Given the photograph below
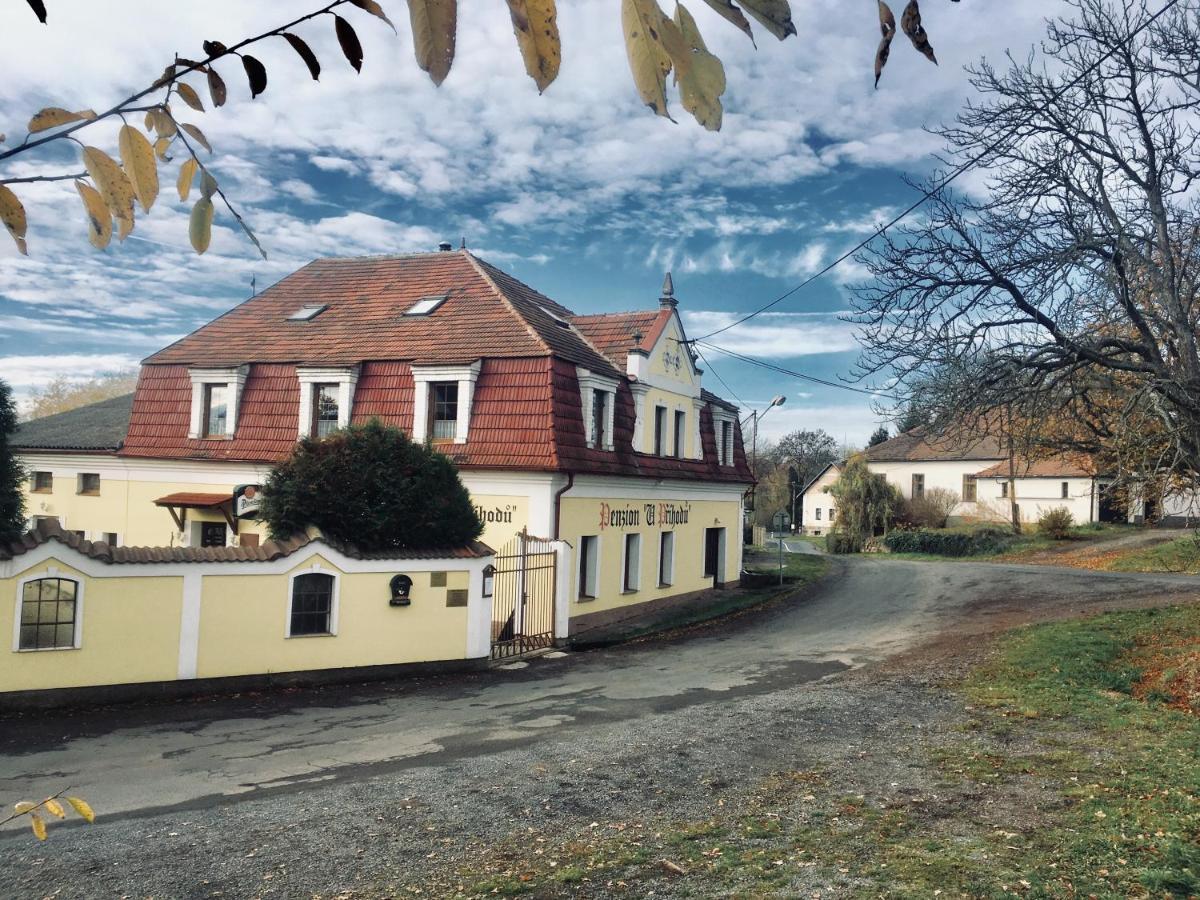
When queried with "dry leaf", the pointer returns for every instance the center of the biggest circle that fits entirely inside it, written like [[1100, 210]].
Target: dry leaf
[[773, 15], [701, 81], [910, 24], [53, 116], [348, 39], [305, 53], [98, 216], [113, 185], [536, 27], [12, 214], [80, 806], [187, 174], [641, 20], [731, 13], [887, 28], [200, 224], [434, 23], [189, 96], [137, 156]]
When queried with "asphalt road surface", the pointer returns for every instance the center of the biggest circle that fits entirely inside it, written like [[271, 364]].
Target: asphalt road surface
[[193, 794]]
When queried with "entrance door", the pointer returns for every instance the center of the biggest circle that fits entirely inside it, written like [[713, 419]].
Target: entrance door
[[714, 552], [212, 534]]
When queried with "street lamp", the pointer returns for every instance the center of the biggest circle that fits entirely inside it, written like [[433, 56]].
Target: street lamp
[[777, 400]]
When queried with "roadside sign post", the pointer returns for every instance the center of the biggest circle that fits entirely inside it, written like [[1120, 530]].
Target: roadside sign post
[[781, 524]]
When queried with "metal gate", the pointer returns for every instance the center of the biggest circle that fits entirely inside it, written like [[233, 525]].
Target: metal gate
[[523, 596]]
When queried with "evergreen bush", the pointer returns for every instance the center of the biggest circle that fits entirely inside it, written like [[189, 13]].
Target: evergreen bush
[[12, 475], [371, 486]]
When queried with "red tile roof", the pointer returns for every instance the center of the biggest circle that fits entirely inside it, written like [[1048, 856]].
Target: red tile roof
[[918, 445], [1062, 466], [526, 412], [486, 313], [615, 334]]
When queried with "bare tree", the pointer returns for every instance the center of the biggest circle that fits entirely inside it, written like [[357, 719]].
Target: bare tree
[[1061, 303]]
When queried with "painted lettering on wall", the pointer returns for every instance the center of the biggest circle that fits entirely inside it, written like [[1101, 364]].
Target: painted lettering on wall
[[653, 515], [491, 515]]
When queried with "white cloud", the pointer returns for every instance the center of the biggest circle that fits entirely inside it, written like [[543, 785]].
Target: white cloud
[[774, 335], [26, 372]]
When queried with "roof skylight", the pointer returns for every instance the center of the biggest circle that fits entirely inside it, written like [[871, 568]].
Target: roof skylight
[[426, 305], [307, 313], [558, 320]]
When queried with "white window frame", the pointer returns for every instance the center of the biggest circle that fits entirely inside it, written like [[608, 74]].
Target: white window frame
[[666, 537], [334, 603], [626, 586], [345, 378], [234, 379], [725, 454], [423, 377], [589, 383], [52, 572]]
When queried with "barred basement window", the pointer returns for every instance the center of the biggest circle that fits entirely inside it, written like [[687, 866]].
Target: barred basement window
[[48, 613], [312, 604]]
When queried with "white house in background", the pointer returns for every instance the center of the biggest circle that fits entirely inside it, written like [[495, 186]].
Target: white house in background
[[974, 469], [817, 508], [1056, 483]]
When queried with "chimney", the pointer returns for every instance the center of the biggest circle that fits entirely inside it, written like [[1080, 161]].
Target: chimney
[[445, 246], [667, 300]]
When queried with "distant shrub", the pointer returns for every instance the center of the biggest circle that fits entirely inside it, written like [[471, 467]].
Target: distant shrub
[[947, 543], [931, 509], [1056, 523], [837, 542]]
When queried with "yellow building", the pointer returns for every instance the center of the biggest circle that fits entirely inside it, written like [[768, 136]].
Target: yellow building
[[593, 433]]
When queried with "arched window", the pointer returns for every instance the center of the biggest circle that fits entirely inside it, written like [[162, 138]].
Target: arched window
[[489, 580], [49, 613], [312, 604]]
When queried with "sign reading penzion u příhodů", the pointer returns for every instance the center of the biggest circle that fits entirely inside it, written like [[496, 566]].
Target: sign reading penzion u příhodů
[[650, 515]]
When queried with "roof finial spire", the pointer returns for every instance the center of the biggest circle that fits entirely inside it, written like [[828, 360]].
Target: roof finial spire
[[463, 245], [668, 293]]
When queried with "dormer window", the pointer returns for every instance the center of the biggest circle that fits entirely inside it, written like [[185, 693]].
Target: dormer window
[[600, 403], [442, 397], [443, 410], [307, 313], [325, 409], [216, 410], [598, 396], [426, 305], [216, 394], [326, 400]]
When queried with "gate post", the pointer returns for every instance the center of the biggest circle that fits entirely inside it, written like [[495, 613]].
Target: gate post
[[562, 590], [522, 586]]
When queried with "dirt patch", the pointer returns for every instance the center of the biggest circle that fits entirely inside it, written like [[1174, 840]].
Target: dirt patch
[[1170, 674], [1090, 554]]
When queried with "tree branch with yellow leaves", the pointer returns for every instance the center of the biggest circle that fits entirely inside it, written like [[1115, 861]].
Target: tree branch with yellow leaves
[[657, 46]]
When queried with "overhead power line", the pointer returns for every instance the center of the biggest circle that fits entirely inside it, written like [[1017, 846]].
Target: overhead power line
[[913, 207], [711, 368], [783, 370]]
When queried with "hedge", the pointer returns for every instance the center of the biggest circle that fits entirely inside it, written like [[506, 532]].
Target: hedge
[[947, 543]]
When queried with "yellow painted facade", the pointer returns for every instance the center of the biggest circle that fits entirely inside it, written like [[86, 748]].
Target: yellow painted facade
[[609, 520], [129, 632], [243, 630]]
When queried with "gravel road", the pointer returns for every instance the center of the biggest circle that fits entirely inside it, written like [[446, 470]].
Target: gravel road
[[407, 790]]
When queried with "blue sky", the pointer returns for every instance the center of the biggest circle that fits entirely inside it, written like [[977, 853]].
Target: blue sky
[[580, 192]]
